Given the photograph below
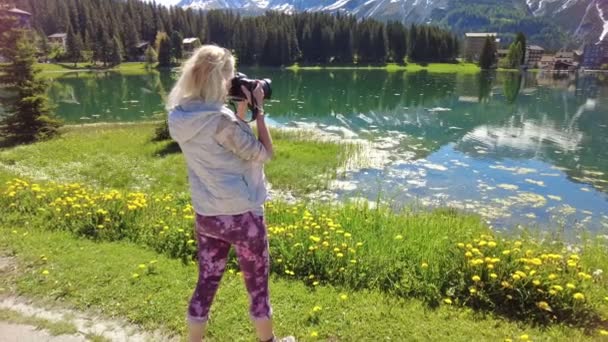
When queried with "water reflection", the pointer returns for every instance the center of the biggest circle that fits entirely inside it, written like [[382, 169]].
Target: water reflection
[[506, 145]]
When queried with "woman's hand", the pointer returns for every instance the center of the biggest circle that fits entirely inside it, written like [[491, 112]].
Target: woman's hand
[[258, 95]]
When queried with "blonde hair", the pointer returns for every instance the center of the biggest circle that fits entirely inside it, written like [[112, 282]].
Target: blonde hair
[[203, 77]]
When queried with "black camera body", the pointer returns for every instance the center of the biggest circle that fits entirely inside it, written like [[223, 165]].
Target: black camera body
[[241, 79]]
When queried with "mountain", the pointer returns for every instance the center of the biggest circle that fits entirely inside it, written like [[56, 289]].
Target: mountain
[[552, 23]]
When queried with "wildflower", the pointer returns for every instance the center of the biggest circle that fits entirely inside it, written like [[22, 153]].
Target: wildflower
[[343, 297], [424, 265], [45, 272], [524, 337], [557, 288], [340, 255], [476, 278], [142, 266], [460, 245], [359, 244], [316, 308], [570, 286], [135, 275], [578, 296], [516, 277], [314, 334], [493, 275], [603, 332], [473, 290], [506, 252], [399, 237], [314, 238], [544, 306], [517, 244], [552, 292], [468, 254], [508, 340], [552, 276], [315, 283], [536, 282], [448, 301], [347, 235]]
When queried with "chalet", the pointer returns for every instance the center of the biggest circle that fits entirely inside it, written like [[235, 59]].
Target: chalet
[[546, 62], [473, 44], [190, 44], [141, 48], [23, 18], [58, 38]]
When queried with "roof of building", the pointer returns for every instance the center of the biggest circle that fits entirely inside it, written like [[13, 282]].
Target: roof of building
[[189, 40], [58, 35], [141, 44], [15, 10], [547, 58], [480, 35], [535, 47]]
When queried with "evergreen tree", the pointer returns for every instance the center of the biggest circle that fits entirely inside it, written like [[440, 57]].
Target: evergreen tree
[[29, 115], [131, 40], [116, 52], [521, 39], [74, 47], [514, 56], [177, 51], [487, 59], [163, 46], [151, 57]]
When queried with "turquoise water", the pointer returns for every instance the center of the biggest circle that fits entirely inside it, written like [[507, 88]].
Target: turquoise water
[[518, 149]]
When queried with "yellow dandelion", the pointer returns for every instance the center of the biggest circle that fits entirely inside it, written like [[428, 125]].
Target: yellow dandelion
[[424, 265], [536, 282], [508, 340], [315, 283], [339, 255], [45, 272], [314, 334], [468, 254], [460, 245], [399, 237], [552, 276], [544, 306], [316, 308], [578, 296], [343, 297], [493, 275], [142, 266], [557, 288], [571, 286], [135, 275], [476, 278], [524, 337], [603, 332], [448, 301], [492, 244], [473, 290]]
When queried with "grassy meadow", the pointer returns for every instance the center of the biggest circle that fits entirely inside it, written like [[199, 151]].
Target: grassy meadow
[[465, 68], [100, 219]]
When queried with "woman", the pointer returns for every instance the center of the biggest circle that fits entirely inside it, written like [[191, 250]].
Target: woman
[[226, 172]]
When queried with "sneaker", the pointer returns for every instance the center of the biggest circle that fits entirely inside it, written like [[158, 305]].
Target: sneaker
[[285, 339]]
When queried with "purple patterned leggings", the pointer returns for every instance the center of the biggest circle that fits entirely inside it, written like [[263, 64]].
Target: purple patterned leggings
[[215, 235]]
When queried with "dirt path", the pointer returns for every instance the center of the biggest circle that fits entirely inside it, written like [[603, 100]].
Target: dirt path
[[28, 321]]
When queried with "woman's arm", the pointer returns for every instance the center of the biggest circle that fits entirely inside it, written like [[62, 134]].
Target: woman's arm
[[263, 131]]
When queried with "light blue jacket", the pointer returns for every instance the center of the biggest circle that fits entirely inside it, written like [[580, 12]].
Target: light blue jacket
[[225, 160]]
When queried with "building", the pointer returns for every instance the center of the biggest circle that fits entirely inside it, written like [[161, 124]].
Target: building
[[595, 55], [534, 53], [141, 48], [502, 53], [23, 18], [190, 44], [59, 38], [473, 44], [546, 62], [564, 57]]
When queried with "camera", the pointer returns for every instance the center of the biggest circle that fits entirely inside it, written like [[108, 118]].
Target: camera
[[241, 79]]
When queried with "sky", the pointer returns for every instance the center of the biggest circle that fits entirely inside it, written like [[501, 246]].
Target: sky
[[167, 2]]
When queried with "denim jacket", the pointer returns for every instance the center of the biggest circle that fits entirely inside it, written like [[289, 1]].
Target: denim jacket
[[225, 160]]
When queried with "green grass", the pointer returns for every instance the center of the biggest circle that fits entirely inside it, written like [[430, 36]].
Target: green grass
[[466, 68], [98, 275], [54, 328], [123, 157], [134, 68]]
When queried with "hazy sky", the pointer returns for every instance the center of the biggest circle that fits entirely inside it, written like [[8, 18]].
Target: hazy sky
[[167, 2]]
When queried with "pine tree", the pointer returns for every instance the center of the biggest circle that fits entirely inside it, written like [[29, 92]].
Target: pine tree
[[74, 46], [521, 39], [163, 46], [177, 50], [29, 115], [487, 59], [151, 56], [116, 52]]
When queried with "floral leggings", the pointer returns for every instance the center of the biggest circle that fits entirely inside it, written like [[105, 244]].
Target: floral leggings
[[215, 235]]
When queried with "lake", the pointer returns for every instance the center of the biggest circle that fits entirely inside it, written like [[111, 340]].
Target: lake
[[517, 149]]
